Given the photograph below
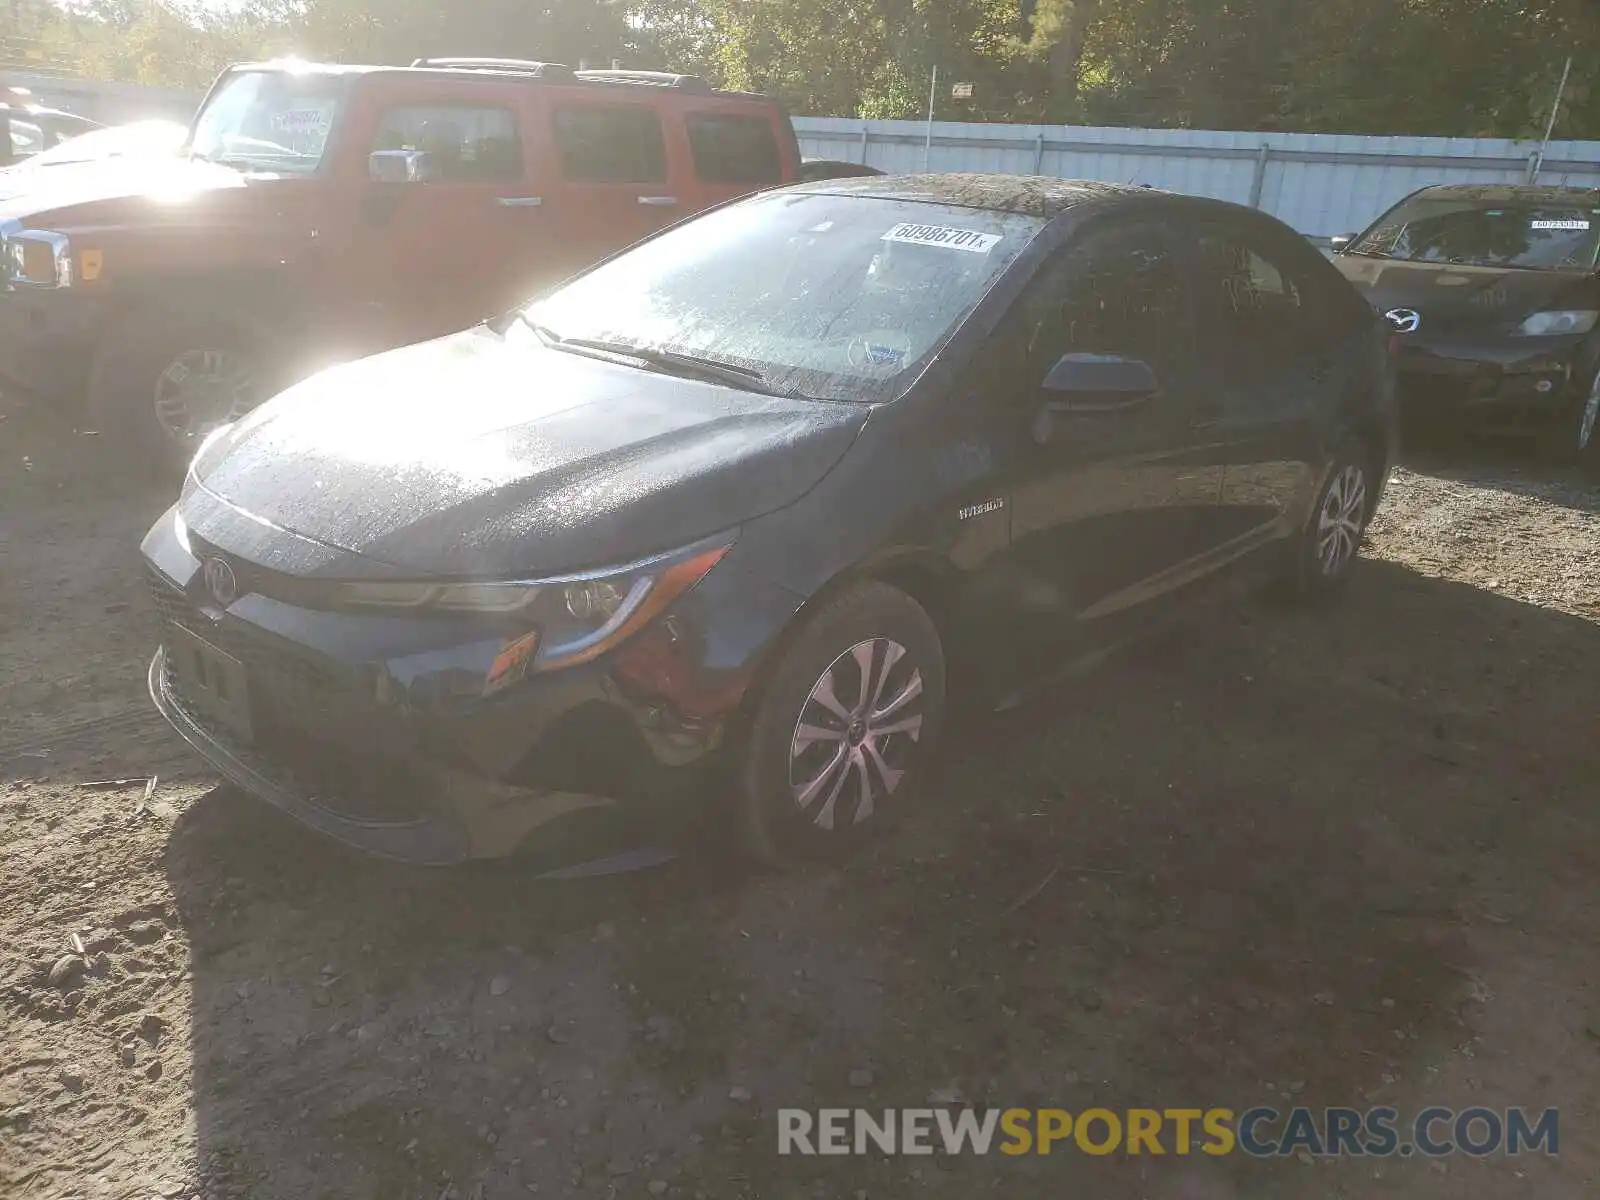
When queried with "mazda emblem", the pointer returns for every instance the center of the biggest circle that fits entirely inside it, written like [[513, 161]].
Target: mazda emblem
[[1404, 320], [221, 582]]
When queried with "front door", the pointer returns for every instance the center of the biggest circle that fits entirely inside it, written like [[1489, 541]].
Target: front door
[[444, 252], [1112, 509]]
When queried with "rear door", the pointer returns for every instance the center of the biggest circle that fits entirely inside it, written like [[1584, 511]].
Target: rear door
[[1274, 344], [732, 150], [614, 183], [439, 255]]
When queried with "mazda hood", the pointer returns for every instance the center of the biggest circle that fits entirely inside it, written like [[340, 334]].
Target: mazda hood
[[1464, 298], [480, 456]]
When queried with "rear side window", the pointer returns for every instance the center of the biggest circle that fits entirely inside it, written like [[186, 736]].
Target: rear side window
[[734, 149], [610, 143], [467, 144]]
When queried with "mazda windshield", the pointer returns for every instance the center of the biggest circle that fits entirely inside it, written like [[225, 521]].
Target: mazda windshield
[[1465, 232], [831, 296]]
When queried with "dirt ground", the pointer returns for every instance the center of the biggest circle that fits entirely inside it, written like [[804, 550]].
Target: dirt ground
[[1338, 858]]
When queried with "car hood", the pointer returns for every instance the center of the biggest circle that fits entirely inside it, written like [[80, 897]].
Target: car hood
[[28, 191], [1464, 299], [477, 455]]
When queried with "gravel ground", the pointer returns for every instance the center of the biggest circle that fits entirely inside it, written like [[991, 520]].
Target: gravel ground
[[1345, 857]]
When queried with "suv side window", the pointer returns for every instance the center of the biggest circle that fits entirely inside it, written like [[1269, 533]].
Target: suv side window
[[728, 148], [610, 143], [1116, 290], [467, 144]]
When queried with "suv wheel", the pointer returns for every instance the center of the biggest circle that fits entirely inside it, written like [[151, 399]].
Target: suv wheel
[[161, 383], [1331, 541], [844, 729]]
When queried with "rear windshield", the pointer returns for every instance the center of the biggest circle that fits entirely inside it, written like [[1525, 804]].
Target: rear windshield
[[1476, 233], [277, 121]]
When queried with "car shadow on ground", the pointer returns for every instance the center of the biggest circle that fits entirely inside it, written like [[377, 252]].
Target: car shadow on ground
[[1510, 466], [1250, 862]]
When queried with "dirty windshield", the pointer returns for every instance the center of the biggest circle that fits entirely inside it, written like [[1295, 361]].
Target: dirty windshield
[[276, 121], [1477, 233], [837, 297]]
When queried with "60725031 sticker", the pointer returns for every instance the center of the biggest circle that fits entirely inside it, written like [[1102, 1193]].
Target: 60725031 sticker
[[946, 236], [1576, 226]]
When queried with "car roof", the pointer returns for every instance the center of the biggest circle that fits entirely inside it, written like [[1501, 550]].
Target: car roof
[[1505, 193], [503, 73], [1028, 195]]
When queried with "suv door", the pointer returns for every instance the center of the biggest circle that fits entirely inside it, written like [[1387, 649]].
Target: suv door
[[733, 151], [1273, 339], [1112, 509], [616, 183], [445, 252]]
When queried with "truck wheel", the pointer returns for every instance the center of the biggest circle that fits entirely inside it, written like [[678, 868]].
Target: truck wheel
[[161, 382]]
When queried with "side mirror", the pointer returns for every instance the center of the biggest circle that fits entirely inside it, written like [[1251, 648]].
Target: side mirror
[[400, 166], [1098, 383], [1341, 243]]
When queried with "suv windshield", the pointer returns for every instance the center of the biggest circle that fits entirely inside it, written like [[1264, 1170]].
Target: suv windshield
[[270, 121], [1476, 233], [836, 297]]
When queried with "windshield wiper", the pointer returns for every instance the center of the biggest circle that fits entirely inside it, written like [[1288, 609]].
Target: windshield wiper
[[668, 362]]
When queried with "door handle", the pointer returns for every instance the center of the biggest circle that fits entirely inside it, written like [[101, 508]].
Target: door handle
[[658, 201], [520, 201]]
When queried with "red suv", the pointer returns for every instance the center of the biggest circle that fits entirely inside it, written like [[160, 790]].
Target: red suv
[[324, 212]]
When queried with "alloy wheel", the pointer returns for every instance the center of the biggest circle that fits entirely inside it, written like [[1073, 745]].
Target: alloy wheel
[[1591, 415], [202, 389], [856, 733], [1339, 525]]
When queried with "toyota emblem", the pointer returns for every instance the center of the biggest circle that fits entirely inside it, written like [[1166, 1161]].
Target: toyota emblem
[[1404, 320], [221, 582]]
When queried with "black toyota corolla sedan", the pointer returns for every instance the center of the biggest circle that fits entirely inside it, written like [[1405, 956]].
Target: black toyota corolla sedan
[[1494, 294], [723, 526]]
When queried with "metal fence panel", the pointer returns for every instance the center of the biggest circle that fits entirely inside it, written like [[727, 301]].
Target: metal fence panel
[[1321, 184]]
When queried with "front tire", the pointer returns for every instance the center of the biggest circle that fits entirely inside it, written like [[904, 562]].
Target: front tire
[[162, 381], [1584, 441], [844, 729]]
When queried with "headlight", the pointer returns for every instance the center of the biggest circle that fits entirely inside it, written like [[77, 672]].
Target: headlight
[[38, 258], [1550, 324], [564, 621]]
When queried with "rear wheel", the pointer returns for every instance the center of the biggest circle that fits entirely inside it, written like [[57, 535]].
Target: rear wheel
[[1331, 541], [161, 382], [844, 730]]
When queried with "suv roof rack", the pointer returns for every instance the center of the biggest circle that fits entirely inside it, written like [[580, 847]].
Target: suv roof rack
[[669, 79], [519, 66]]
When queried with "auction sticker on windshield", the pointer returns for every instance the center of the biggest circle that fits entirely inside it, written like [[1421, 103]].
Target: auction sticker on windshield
[[1572, 225], [943, 235]]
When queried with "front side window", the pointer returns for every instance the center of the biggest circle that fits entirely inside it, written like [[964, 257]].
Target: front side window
[[610, 143], [838, 297], [734, 149], [1115, 291], [1470, 232], [465, 144], [278, 121]]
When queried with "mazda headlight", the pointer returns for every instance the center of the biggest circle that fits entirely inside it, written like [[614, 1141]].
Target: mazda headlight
[[563, 621], [1552, 324], [38, 258]]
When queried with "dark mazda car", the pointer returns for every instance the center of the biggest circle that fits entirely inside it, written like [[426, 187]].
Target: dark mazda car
[[687, 538], [1494, 294]]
